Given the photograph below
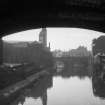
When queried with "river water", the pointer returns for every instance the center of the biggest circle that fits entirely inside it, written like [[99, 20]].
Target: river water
[[67, 86]]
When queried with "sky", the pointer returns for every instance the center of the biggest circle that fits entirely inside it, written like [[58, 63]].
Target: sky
[[59, 38]]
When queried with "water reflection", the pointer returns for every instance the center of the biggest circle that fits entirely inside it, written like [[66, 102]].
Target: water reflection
[[72, 91], [68, 70], [98, 81], [37, 92], [72, 85]]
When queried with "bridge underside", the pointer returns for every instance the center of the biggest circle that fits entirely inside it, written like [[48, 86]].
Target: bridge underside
[[20, 15]]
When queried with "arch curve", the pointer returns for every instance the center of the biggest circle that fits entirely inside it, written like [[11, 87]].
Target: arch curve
[[24, 15]]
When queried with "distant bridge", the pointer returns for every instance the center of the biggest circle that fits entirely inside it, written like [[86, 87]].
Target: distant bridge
[[72, 60]]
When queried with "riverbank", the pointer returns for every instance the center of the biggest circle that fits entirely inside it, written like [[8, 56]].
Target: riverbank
[[6, 92], [11, 75]]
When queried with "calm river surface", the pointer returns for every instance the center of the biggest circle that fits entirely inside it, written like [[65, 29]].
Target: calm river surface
[[66, 87]]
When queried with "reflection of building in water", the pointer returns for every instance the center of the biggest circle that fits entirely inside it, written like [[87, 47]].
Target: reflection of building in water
[[37, 90], [44, 98], [98, 83], [40, 90], [98, 88], [59, 66], [69, 70]]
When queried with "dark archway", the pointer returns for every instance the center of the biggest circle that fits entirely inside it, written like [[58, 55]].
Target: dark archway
[[22, 15]]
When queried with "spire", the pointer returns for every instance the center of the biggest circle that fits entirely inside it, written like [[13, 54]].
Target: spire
[[43, 37]]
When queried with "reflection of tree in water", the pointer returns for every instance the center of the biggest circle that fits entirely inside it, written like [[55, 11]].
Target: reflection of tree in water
[[98, 82], [75, 69], [36, 90]]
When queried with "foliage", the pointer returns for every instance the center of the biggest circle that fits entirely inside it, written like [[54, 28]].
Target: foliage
[[98, 45]]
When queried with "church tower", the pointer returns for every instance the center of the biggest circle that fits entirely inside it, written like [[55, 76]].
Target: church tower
[[43, 37]]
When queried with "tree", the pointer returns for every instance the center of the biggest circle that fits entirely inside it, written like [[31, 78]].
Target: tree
[[98, 45]]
